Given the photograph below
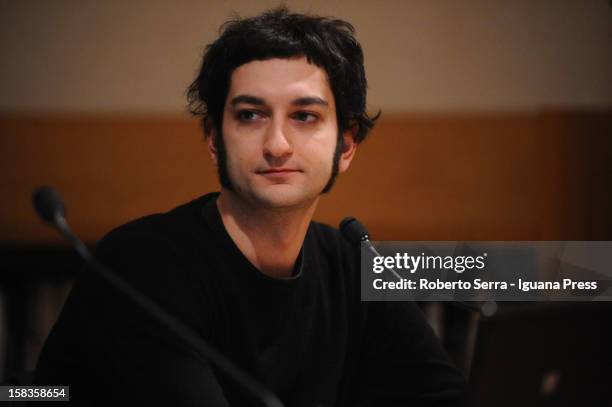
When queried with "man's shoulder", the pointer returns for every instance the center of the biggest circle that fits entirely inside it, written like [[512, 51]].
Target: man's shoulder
[[323, 231], [161, 234], [165, 225], [331, 241], [154, 252]]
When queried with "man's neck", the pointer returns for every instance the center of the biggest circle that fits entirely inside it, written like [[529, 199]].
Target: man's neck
[[270, 238]]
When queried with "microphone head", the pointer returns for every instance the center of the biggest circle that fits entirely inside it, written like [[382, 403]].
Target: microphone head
[[48, 204], [353, 230]]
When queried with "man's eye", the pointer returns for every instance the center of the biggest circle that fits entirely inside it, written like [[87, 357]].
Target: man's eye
[[248, 116], [305, 117]]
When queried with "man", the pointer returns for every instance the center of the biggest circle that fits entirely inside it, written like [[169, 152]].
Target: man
[[282, 100]]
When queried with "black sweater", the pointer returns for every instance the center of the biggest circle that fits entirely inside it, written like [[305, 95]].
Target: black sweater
[[308, 338]]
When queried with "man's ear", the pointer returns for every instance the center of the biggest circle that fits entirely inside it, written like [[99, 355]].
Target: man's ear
[[349, 147], [212, 146]]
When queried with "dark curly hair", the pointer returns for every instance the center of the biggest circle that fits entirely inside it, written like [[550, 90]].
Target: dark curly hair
[[325, 42]]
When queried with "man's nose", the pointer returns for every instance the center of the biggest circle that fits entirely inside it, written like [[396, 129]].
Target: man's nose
[[278, 143]]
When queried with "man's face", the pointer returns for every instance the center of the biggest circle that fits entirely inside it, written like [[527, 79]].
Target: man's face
[[280, 133]]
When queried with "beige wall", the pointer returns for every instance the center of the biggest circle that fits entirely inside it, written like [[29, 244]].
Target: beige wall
[[138, 56]]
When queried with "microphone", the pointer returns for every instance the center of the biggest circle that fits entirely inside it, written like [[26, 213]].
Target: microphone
[[48, 204], [50, 208], [356, 233], [353, 230]]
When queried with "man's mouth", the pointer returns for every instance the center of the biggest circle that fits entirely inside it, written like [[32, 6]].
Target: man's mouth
[[278, 171]]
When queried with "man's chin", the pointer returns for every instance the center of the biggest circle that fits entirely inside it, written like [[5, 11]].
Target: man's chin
[[283, 196]]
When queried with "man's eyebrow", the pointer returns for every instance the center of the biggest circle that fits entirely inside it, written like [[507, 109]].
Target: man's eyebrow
[[310, 100], [254, 100], [248, 99]]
